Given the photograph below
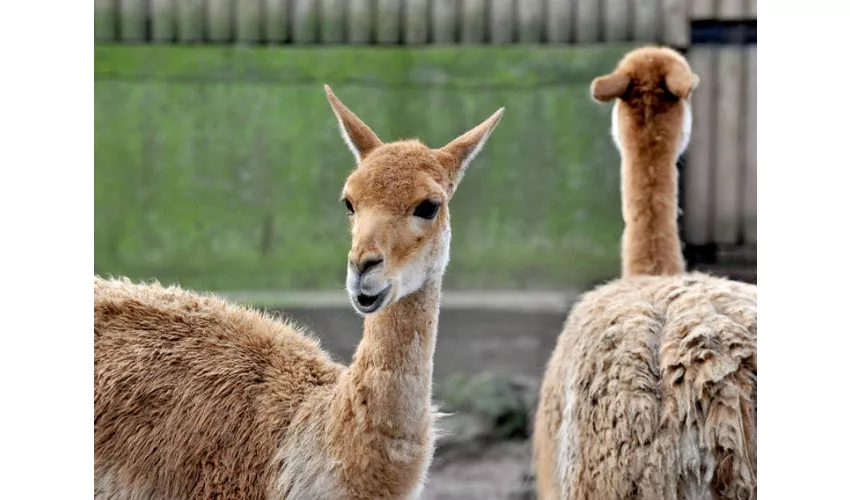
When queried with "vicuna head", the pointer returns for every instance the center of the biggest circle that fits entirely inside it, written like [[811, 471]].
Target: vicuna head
[[397, 199], [652, 86]]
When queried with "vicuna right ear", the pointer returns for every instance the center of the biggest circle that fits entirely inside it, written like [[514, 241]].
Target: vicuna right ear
[[681, 82], [357, 135], [608, 87]]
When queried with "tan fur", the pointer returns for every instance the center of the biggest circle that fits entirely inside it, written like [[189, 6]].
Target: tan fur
[[651, 86], [199, 398], [651, 390]]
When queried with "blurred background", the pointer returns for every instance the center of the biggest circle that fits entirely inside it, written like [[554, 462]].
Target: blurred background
[[218, 166]]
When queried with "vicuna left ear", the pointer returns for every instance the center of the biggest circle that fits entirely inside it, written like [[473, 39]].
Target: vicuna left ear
[[609, 87], [463, 149], [681, 82]]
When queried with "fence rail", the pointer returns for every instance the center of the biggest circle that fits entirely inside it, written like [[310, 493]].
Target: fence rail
[[408, 22]]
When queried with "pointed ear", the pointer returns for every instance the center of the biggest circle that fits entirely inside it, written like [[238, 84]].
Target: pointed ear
[[609, 87], [463, 149], [681, 82], [358, 136]]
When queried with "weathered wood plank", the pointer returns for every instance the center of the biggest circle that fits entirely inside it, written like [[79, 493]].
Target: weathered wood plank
[[305, 21], [558, 21], [332, 20], [275, 20], [732, 9], [750, 162], [443, 21], [416, 22], [587, 24], [616, 20], [502, 21], [248, 20], [473, 21], [389, 25], [132, 18], [219, 22], [359, 21], [677, 26], [104, 20], [163, 12], [647, 21], [703, 9], [190, 20], [698, 174], [530, 14], [727, 171]]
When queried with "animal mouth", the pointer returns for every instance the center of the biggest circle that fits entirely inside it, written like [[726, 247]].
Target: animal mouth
[[370, 303]]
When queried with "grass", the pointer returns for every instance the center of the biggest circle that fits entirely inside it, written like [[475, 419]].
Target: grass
[[220, 168]]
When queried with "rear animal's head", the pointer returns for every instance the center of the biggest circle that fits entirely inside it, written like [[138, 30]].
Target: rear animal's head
[[397, 199], [649, 84]]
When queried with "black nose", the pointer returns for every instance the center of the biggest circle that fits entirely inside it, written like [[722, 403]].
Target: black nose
[[367, 264]]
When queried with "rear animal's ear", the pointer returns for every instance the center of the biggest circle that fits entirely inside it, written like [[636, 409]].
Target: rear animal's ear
[[358, 136], [462, 150], [681, 82], [609, 87]]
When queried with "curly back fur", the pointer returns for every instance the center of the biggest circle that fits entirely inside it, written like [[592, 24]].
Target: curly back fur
[[198, 398], [651, 390]]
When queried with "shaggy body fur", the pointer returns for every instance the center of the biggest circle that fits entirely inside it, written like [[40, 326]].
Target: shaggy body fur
[[651, 390], [196, 398]]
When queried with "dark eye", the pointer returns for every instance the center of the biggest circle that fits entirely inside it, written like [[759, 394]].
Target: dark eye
[[426, 210], [348, 206]]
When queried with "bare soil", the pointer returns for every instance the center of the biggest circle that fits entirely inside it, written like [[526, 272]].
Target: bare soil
[[497, 472]]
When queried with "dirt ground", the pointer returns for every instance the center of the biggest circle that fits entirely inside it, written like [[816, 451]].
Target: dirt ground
[[499, 472]]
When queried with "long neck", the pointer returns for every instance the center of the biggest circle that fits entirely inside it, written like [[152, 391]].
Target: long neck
[[651, 244], [390, 376]]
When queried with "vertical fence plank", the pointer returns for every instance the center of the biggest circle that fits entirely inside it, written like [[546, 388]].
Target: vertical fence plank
[[190, 20], [389, 27], [275, 19], [104, 20], [587, 21], [558, 21], [727, 169], [698, 174], [677, 26], [750, 191], [443, 21], [616, 20], [219, 20], [530, 21], [732, 9], [163, 20], [132, 18], [332, 21], [359, 21], [501, 21], [305, 21], [248, 19], [646, 20], [416, 22], [473, 21], [702, 9]]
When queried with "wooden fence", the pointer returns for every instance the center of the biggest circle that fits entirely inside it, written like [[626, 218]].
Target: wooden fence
[[410, 22], [719, 179]]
